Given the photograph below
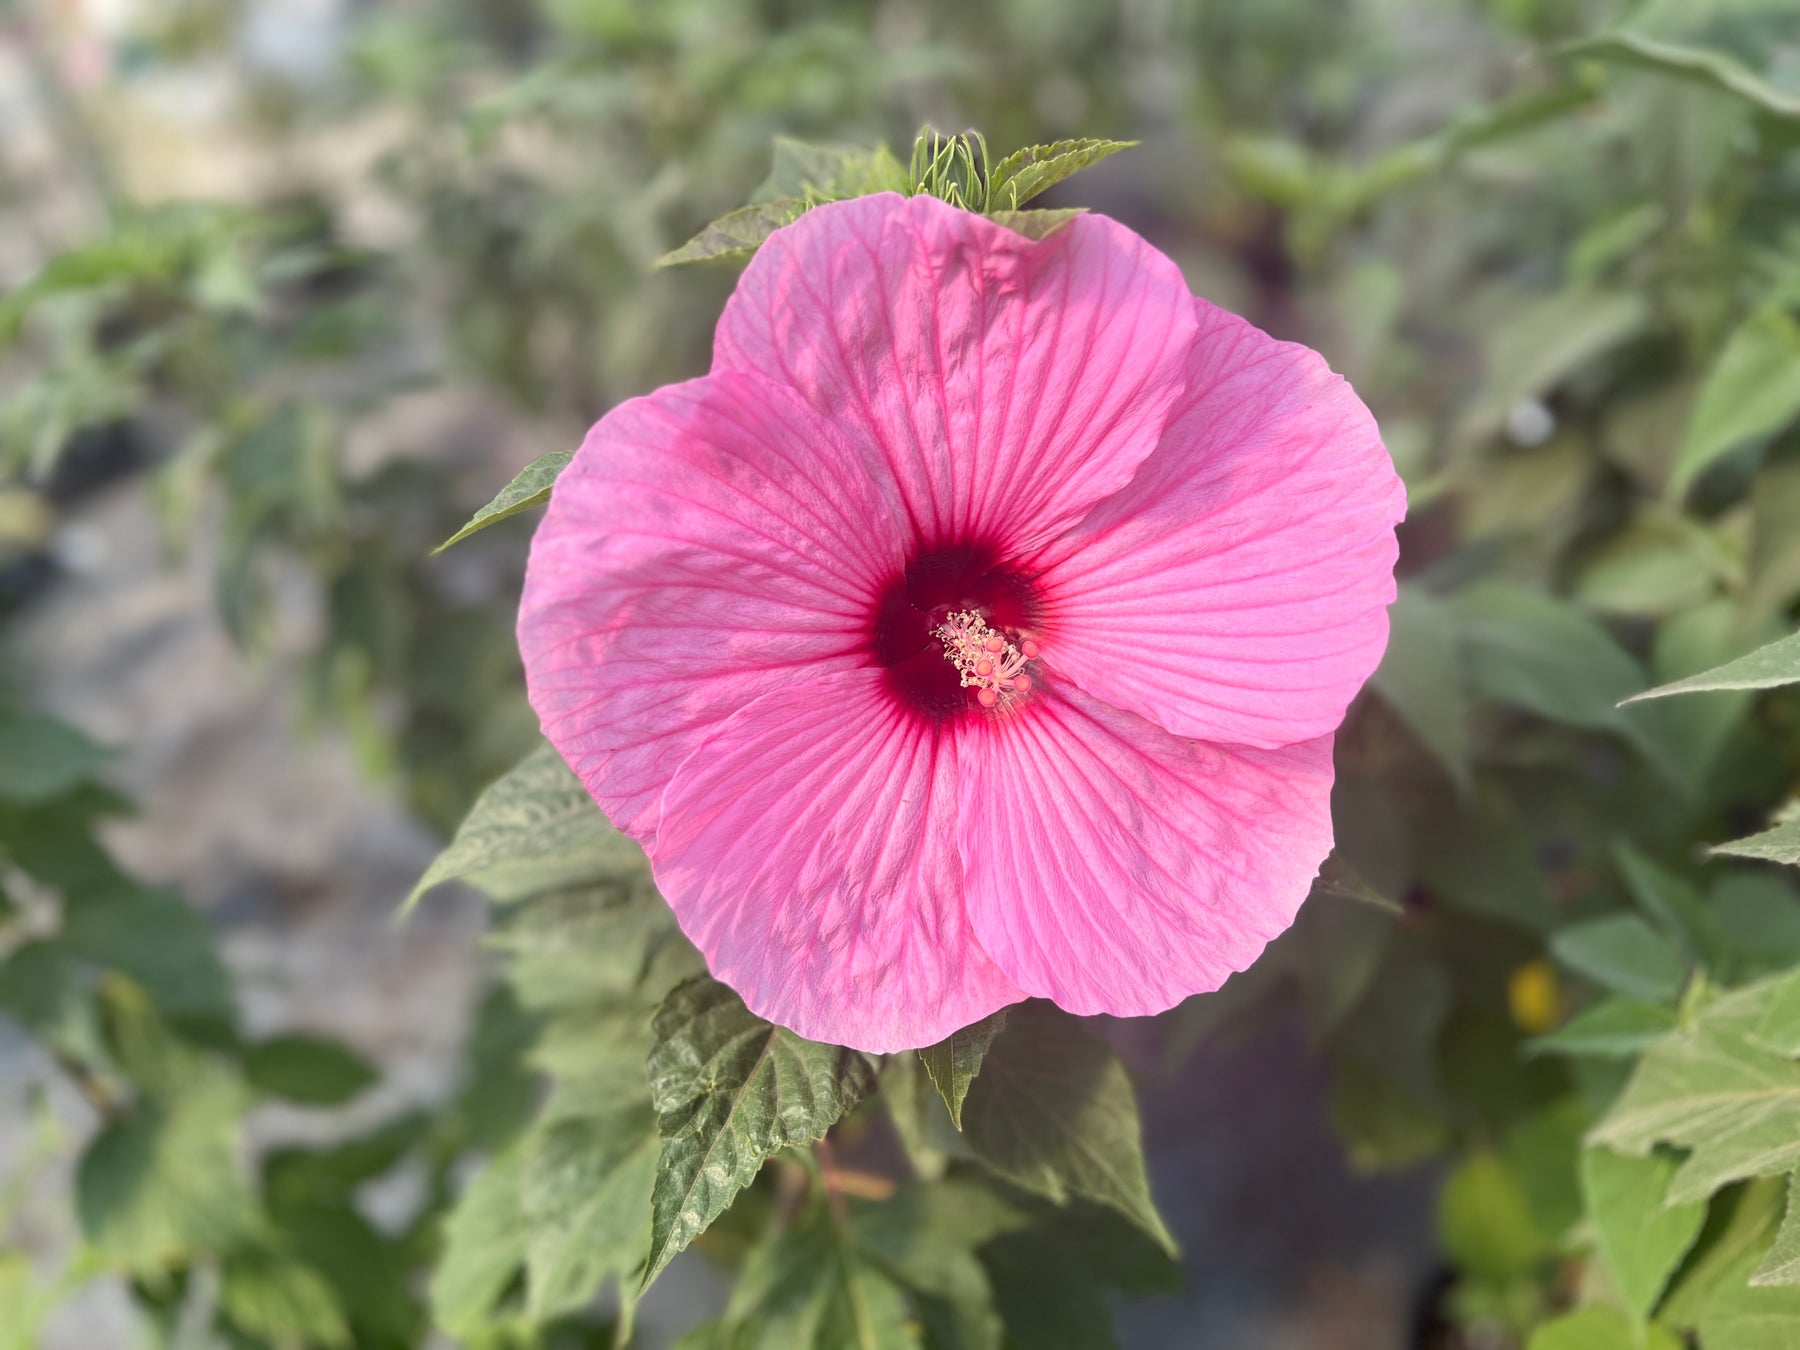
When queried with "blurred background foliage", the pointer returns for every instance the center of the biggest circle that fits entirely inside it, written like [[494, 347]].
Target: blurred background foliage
[[317, 278]]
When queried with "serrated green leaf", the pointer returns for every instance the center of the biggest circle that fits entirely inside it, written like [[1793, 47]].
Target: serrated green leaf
[[1780, 844], [594, 944], [954, 1061], [1053, 1111], [1714, 1088], [730, 1090], [1025, 173], [1695, 65], [1782, 1264], [42, 758], [281, 1301], [1600, 1328], [587, 1204], [530, 487], [1615, 1029], [307, 1069], [1419, 678], [1036, 224], [486, 1239], [1752, 391], [1641, 1239], [737, 234], [1624, 954], [165, 1183], [533, 831]]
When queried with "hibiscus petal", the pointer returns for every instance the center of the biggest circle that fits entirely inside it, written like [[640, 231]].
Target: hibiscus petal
[[808, 850], [1236, 591], [1115, 868], [1009, 384], [708, 543]]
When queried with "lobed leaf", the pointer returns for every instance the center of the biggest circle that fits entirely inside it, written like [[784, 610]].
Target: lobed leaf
[[530, 487], [1053, 1111], [730, 1090]]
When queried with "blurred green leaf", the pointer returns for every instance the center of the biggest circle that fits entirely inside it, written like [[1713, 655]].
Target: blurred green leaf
[[309, 1070], [1713, 69], [1485, 1223], [530, 487], [806, 171], [1600, 1328], [43, 988], [954, 1061], [1752, 390], [535, 830], [1614, 1029], [164, 1183], [159, 940], [587, 1204], [281, 1301], [1419, 678], [1672, 901], [730, 1090], [1054, 1111], [1624, 954], [1025, 173], [485, 1242], [1641, 1238], [42, 758]]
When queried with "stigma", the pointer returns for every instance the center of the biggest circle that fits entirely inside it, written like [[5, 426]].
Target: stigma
[[986, 661]]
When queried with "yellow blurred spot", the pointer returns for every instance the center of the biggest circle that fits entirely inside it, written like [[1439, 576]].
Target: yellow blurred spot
[[1533, 998]]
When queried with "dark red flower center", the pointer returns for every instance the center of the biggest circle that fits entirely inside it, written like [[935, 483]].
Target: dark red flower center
[[937, 583]]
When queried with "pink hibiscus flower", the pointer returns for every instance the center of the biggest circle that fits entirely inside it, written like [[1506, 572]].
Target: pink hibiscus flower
[[975, 630]]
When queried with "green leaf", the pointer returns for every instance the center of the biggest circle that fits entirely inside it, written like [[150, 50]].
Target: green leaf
[[1780, 844], [735, 235], [1672, 901], [1419, 679], [1037, 225], [159, 940], [1714, 1088], [1537, 653], [530, 487], [1715, 70], [587, 1205], [281, 1302], [1025, 173], [42, 758], [1641, 1239], [594, 944], [1624, 954], [807, 171], [307, 1069], [1752, 391], [1053, 1111], [730, 1090], [954, 1061], [164, 1183], [926, 1237], [485, 1242], [1485, 1222], [1615, 1029], [43, 989], [1776, 664], [533, 831], [1600, 1328], [1782, 1264]]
